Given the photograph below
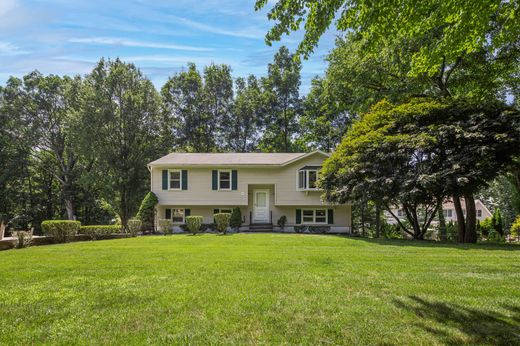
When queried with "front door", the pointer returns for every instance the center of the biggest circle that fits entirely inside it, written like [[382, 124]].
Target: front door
[[260, 206]]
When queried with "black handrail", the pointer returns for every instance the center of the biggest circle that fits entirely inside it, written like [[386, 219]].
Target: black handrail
[[250, 217], [270, 216]]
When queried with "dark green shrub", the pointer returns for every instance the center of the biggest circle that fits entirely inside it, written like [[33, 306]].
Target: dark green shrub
[[222, 221], [99, 231], [194, 223], [497, 222], [282, 221], [236, 219], [147, 210], [61, 230], [208, 227], [390, 231]]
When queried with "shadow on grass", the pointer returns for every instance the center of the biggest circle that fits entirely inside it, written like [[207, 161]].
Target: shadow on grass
[[477, 326], [431, 243]]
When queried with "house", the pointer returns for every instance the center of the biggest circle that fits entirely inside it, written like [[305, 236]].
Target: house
[[448, 210], [266, 186]]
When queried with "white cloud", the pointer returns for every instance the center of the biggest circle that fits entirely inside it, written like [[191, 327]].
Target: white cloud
[[6, 6], [253, 33], [9, 49], [131, 43]]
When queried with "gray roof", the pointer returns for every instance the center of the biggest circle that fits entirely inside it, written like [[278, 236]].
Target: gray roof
[[229, 159]]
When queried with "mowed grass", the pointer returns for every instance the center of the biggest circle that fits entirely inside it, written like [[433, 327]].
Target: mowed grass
[[260, 289]]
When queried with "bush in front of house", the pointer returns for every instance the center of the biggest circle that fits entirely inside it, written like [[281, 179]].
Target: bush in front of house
[[235, 220], [95, 232], [22, 239], [194, 223], [311, 229], [222, 221], [134, 226], [147, 210], [165, 226], [282, 221], [61, 230]]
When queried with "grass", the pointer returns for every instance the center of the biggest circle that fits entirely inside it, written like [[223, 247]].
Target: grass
[[260, 289]]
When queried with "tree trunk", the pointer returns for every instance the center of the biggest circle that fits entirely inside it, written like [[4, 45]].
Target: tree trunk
[[460, 219], [470, 235], [2, 229], [442, 225], [378, 219]]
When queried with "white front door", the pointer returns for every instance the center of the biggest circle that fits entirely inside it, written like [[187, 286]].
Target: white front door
[[261, 206]]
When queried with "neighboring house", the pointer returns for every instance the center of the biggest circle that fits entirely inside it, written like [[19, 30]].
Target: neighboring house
[[449, 212], [266, 186]]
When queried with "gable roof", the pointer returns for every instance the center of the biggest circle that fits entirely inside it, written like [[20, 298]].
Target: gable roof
[[232, 159]]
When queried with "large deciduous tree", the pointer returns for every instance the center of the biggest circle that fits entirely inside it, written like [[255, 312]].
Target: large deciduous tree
[[122, 110]]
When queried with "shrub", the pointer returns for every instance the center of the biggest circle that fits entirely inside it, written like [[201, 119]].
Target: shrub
[[61, 230], [147, 210], [390, 231], [22, 239], [194, 223], [496, 221], [300, 229], [236, 219], [99, 231], [222, 221], [282, 221], [165, 226], [134, 226], [515, 229]]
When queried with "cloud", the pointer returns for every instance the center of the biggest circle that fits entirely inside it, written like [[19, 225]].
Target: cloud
[[9, 49], [251, 32], [131, 43], [6, 6]]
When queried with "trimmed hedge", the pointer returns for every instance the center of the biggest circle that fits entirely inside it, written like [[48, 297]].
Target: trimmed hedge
[[194, 223], [222, 221], [61, 230], [165, 226], [134, 226], [99, 231]]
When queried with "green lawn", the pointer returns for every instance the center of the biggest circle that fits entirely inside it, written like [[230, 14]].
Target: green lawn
[[260, 289]]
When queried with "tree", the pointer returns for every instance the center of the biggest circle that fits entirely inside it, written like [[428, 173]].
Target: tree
[[146, 213], [236, 219], [323, 122], [281, 88], [496, 222], [121, 108], [417, 153], [455, 28], [247, 116], [46, 106]]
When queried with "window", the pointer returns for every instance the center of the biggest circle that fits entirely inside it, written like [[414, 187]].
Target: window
[[479, 212], [314, 216], [307, 177], [221, 211], [400, 213], [448, 212], [178, 215], [224, 180], [175, 179]]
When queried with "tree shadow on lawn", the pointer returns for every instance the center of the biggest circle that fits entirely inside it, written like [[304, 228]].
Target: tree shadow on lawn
[[478, 326], [432, 244]]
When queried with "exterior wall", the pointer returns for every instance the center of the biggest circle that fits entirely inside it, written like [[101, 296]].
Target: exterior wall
[[199, 190]]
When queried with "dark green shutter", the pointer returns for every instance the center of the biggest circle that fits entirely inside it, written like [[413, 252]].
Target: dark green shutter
[[167, 214], [187, 212], [184, 179], [330, 216], [234, 179], [214, 179], [298, 216], [165, 179]]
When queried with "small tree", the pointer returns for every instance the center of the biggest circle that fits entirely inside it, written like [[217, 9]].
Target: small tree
[[222, 221], [236, 219], [147, 210], [193, 223], [496, 221]]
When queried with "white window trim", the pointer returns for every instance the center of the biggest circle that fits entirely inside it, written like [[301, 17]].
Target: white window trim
[[230, 179], [170, 179], [306, 188], [326, 222], [220, 210], [183, 216]]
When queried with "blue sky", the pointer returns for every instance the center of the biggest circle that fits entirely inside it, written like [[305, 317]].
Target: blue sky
[[159, 36]]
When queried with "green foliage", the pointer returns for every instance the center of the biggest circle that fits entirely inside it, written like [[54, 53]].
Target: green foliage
[[222, 221], [22, 239], [99, 231], [515, 229], [165, 226], [194, 223], [390, 231], [61, 231], [486, 226], [146, 213], [134, 226], [496, 221], [281, 222], [236, 219]]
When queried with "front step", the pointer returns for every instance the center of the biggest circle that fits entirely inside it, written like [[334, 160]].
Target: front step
[[261, 227]]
